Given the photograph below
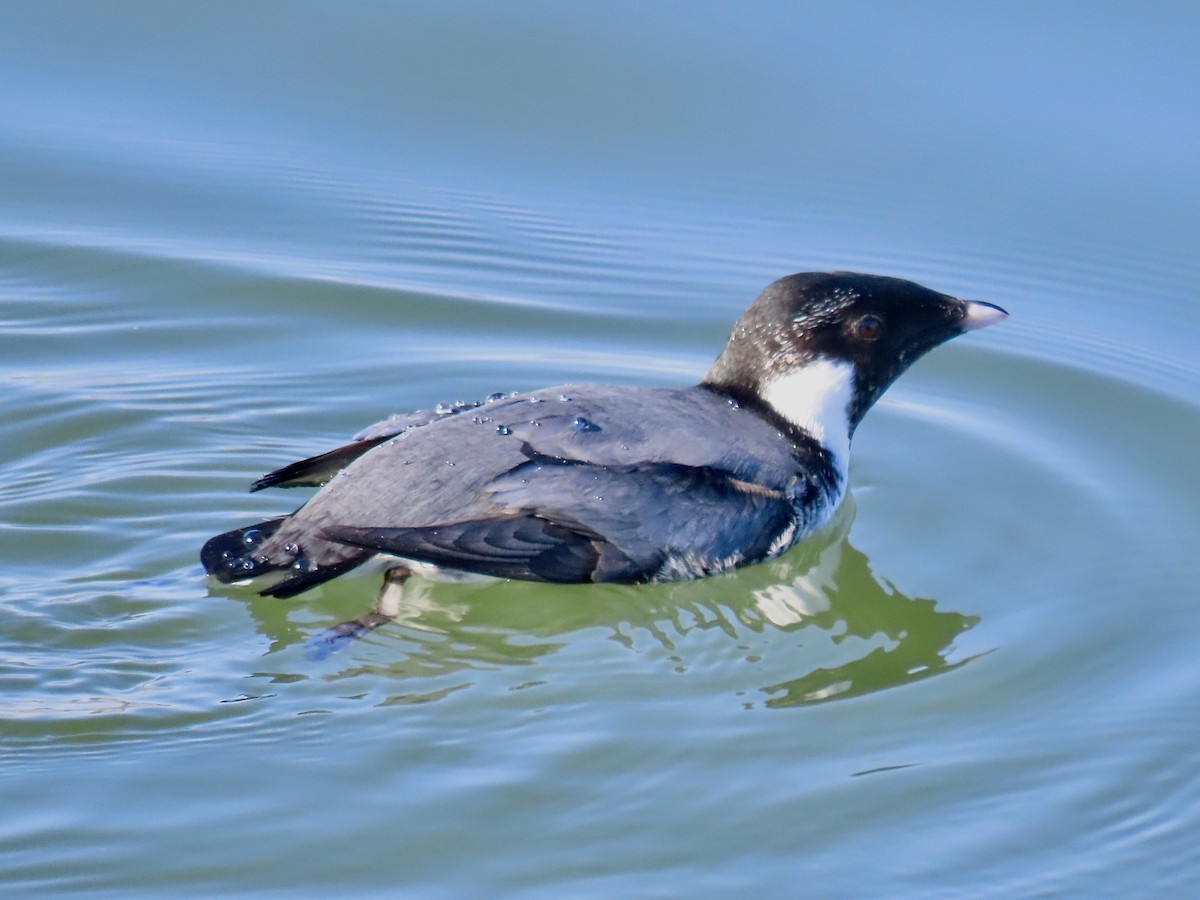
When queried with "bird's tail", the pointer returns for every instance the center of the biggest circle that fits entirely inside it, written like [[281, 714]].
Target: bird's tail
[[234, 556], [256, 553]]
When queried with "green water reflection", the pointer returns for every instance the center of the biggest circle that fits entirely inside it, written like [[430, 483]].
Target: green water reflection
[[856, 632]]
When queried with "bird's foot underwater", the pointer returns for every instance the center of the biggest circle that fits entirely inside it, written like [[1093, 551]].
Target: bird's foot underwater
[[387, 608]]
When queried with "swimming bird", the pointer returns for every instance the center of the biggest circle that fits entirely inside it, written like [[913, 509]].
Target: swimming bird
[[596, 483]]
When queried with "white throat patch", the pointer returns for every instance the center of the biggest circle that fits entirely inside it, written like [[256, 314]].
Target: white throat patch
[[817, 398]]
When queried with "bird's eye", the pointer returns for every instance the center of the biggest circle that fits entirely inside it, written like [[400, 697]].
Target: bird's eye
[[868, 328]]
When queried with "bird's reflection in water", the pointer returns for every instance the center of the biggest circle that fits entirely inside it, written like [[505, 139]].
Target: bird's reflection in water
[[904, 638], [857, 633]]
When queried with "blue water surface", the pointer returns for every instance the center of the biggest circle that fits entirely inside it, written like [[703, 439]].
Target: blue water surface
[[233, 234]]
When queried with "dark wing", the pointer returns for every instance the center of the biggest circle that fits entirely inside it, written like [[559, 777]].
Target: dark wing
[[566, 521], [628, 426], [519, 546], [669, 519]]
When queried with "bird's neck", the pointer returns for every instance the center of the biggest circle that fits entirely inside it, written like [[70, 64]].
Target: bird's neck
[[816, 398]]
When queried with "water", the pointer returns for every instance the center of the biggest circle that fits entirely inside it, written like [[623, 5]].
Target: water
[[232, 236]]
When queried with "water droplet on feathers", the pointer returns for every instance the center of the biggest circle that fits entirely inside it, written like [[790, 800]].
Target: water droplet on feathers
[[582, 424]]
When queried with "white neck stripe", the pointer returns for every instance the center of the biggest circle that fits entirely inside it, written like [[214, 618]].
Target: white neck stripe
[[817, 398]]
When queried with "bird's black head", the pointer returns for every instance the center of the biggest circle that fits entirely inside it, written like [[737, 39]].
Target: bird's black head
[[842, 333]]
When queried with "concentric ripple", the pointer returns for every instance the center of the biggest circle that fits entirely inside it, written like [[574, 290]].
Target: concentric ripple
[[979, 679]]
